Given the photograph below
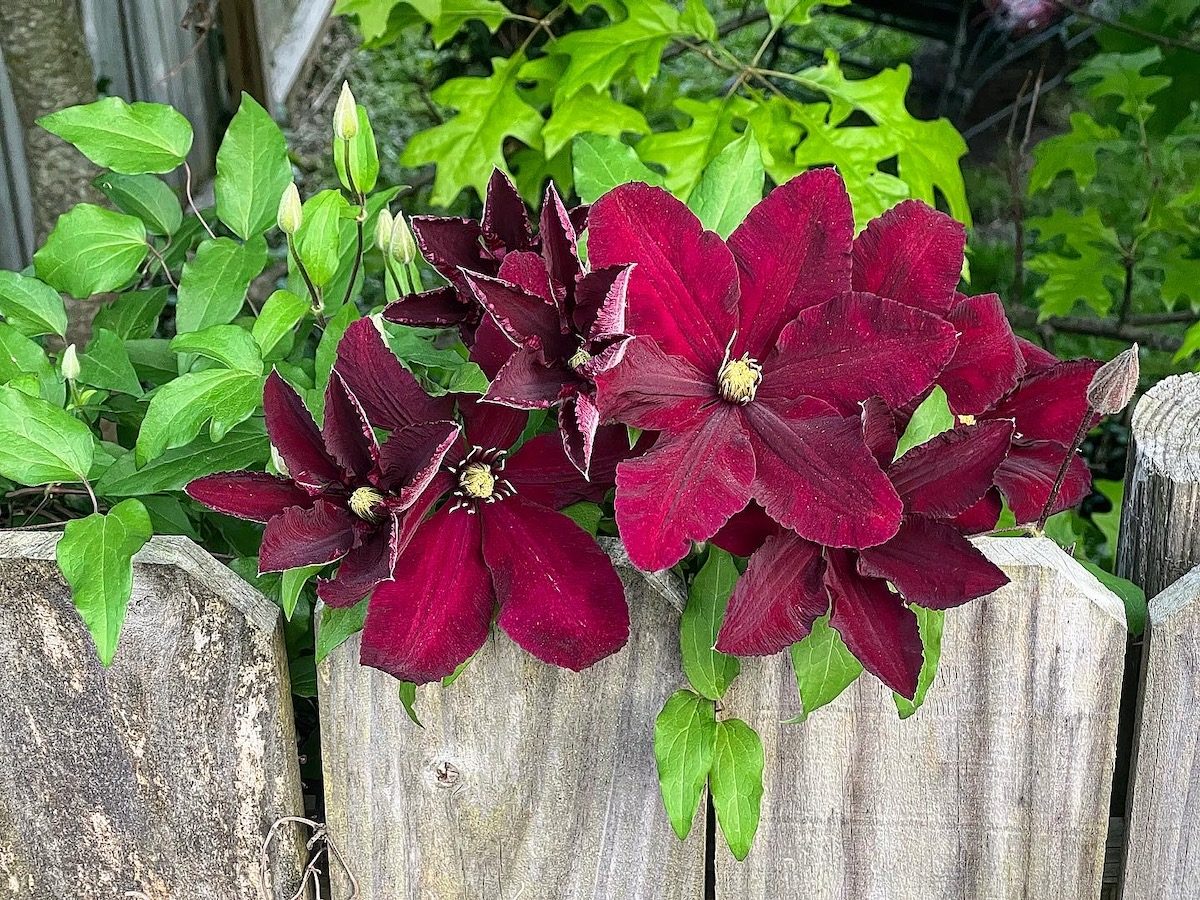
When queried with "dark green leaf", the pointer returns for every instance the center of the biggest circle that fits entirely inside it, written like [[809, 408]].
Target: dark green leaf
[[585, 514], [106, 365], [736, 783], [710, 672], [134, 314], [291, 584], [684, 738]]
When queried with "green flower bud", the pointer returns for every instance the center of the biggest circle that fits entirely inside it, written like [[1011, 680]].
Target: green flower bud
[[383, 230], [401, 246], [70, 363], [291, 214], [345, 115]]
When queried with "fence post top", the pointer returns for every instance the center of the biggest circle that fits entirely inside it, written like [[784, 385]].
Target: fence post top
[[1175, 598], [1011, 553], [1166, 427]]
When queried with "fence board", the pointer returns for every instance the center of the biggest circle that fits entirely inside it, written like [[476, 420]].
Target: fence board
[[997, 788], [159, 777], [526, 781]]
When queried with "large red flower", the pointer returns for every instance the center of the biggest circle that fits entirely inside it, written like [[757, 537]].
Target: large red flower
[[497, 547], [346, 496], [751, 359]]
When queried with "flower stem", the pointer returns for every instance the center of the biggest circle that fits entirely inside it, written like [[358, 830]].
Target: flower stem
[[1080, 434], [313, 293]]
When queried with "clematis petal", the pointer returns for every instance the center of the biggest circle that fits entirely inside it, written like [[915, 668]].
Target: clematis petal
[[987, 362], [438, 610], [348, 435], [450, 244], [560, 597], [875, 624], [932, 565], [490, 425], [879, 430], [294, 434], [949, 473], [578, 420], [527, 381], [1036, 359], [817, 476], [255, 496], [607, 352], [746, 531], [778, 598], [857, 346], [793, 252], [652, 390], [411, 457], [505, 222], [387, 392], [1049, 405], [372, 561], [911, 253], [601, 300], [491, 349], [522, 316], [684, 289], [542, 472], [438, 308], [306, 537], [558, 240], [1027, 477], [982, 516], [527, 269]]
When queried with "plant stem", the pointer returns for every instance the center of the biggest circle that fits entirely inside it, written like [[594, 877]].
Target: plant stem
[[314, 294], [359, 222], [1080, 434], [187, 189]]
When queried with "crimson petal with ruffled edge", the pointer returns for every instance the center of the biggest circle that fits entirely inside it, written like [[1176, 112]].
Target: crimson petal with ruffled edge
[[1028, 474], [950, 472], [578, 420], [879, 430], [438, 611], [522, 316], [652, 390], [348, 435], [684, 289], [505, 222], [294, 434], [255, 496], [778, 598], [437, 308], [987, 362], [932, 565], [982, 516], [411, 457], [601, 301], [527, 269], [372, 561], [306, 537], [558, 239], [490, 425], [793, 252], [911, 253], [1036, 359], [449, 244], [542, 472], [877, 627], [560, 597], [1049, 405], [528, 381], [684, 489]]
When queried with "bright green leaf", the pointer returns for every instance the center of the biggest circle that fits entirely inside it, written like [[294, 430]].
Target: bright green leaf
[[1131, 595], [929, 420], [684, 738], [105, 364], [132, 139], [291, 584], [730, 186], [709, 671], [21, 356], [736, 783], [454, 14], [337, 625], [796, 12], [697, 19], [252, 171], [91, 250], [277, 322], [408, 696], [245, 446], [145, 196], [319, 240], [1076, 152], [685, 152], [930, 622], [602, 162], [180, 408], [824, 667], [212, 288], [585, 514], [590, 112], [40, 443], [229, 345], [30, 306]]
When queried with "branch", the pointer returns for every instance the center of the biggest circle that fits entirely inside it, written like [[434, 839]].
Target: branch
[[1154, 38], [1025, 317], [723, 30]]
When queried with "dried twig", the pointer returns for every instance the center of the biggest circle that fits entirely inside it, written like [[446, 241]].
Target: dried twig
[[320, 836]]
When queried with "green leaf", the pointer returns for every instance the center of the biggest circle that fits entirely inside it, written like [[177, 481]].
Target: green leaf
[[230, 345], [277, 322], [179, 409], [470, 144], [335, 328], [685, 152], [585, 514], [1076, 152], [21, 356], [252, 171], [590, 112], [40, 443], [697, 19], [244, 447], [730, 186], [30, 306], [408, 696], [337, 625], [824, 667], [212, 288], [168, 516], [91, 250], [132, 139], [929, 420], [685, 735], [145, 196], [134, 314], [319, 240], [602, 162], [439, 369], [736, 783], [152, 359], [1131, 595], [454, 14], [364, 156], [1120, 75], [931, 623], [106, 365], [596, 56], [291, 584], [796, 12], [709, 671], [96, 557]]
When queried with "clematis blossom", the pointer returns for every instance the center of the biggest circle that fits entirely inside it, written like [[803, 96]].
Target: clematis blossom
[[496, 547], [346, 496], [791, 582], [751, 358]]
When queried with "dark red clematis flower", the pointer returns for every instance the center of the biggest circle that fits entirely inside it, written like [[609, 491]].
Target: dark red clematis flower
[[566, 323], [791, 582], [751, 359], [496, 548], [346, 497]]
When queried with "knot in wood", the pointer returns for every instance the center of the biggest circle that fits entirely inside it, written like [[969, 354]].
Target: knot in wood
[[447, 774]]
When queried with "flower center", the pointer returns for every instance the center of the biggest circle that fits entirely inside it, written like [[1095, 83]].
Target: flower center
[[365, 503], [738, 379], [579, 359], [966, 420], [477, 480]]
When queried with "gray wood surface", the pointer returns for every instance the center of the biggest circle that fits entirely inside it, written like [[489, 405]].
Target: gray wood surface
[[1160, 528], [1162, 857], [159, 777], [997, 788], [288, 31], [526, 782]]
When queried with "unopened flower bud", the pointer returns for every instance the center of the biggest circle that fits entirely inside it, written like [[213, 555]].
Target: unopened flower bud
[[383, 230], [401, 246], [1114, 383], [345, 115], [291, 213], [278, 462], [70, 363]]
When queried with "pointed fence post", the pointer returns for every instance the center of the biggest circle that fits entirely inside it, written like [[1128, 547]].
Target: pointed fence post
[[157, 778], [997, 788], [526, 781]]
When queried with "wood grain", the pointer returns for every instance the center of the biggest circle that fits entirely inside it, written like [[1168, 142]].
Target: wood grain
[[526, 782], [162, 774], [997, 788]]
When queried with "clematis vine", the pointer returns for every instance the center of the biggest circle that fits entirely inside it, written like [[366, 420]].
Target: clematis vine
[[496, 547], [345, 496], [751, 358]]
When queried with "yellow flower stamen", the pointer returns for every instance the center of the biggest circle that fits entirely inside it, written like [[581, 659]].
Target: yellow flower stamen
[[966, 420], [365, 503], [579, 358], [738, 379], [477, 480]]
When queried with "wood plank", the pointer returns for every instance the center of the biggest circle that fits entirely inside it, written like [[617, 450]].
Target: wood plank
[[290, 31], [997, 788], [526, 782], [159, 777]]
